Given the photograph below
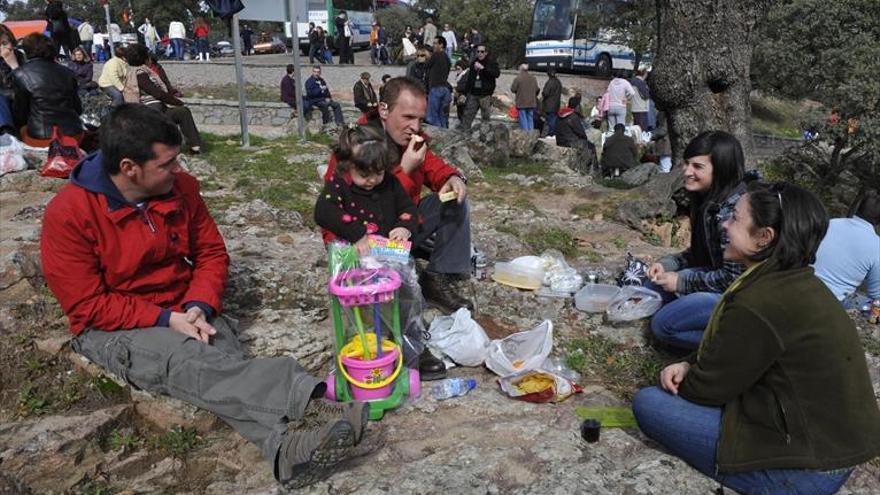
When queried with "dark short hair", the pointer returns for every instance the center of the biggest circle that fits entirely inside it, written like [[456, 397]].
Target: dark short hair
[[619, 128], [551, 72], [137, 55], [574, 102], [363, 148], [5, 31], [397, 85], [130, 132], [289, 68], [867, 207], [385, 77], [796, 215], [35, 45], [441, 40]]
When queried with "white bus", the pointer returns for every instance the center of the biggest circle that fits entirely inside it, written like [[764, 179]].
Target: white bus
[[566, 35], [323, 12]]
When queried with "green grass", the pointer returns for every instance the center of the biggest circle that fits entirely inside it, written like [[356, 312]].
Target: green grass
[[262, 172], [776, 116], [177, 441], [542, 239], [127, 439], [31, 402], [619, 242], [623, 370], [521, 166]]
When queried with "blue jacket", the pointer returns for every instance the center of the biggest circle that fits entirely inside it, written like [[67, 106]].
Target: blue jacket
[[316, 90]]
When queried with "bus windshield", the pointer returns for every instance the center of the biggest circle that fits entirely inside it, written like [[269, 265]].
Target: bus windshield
[[553, 19]]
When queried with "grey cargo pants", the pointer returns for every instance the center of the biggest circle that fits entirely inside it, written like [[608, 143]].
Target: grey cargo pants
[[256, 396], [444, 238]]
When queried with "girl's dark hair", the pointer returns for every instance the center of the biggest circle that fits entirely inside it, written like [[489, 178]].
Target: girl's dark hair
[[867, 206], [137, 55], [728, 170], [796, 215], [362, 148], [728, 164]]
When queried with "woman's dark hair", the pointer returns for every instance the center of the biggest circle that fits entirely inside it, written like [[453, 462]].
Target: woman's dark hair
[[796, 215], [728, 170], [364, 149], [574, 102], [5, 31], [728, 164], [137, 55], [130, 132], [35, 45], [867, 206]]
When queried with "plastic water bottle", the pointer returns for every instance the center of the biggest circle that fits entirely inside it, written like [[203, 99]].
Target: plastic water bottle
[[452, 387]]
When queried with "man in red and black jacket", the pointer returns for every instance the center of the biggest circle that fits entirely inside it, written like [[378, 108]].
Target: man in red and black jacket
[[445, 234], [137, 263]]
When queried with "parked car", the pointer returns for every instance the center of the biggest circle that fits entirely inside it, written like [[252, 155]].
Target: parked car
[[222, 49], [270, 45]]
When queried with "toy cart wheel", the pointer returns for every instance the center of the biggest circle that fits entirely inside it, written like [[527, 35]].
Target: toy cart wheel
[[415, 383], [330, 381]]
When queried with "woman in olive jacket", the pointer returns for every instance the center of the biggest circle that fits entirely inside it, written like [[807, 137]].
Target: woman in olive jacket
[[777, 399]]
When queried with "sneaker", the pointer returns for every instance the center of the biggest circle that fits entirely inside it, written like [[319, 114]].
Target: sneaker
[[306, 457], [319, 411]]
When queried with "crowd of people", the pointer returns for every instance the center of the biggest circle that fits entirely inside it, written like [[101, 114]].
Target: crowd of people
[[774, 394]]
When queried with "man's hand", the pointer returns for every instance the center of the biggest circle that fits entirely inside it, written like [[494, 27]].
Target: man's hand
[[455, 184], [668, 280], [413, 158], [399, 234], [654, 271], [478, 66], [192, 323], [672, 376]]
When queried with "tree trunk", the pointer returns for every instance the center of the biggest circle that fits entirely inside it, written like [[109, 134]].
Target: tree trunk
[[701, 68]]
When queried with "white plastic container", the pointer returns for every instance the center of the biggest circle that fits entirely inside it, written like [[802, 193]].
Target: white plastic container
[[518, 275], [595, 298]]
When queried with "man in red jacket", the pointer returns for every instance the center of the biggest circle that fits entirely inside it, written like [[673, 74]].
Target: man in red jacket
[[139, 267], [444, 237]]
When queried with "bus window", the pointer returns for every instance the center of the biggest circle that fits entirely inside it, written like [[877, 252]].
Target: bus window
[[356, 5], [552, 19]]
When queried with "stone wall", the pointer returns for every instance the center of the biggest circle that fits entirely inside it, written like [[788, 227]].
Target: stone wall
[[260, 113]]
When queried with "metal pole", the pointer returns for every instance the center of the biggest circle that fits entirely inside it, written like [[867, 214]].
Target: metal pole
[[239, 78], [293, 17], [107, 16]]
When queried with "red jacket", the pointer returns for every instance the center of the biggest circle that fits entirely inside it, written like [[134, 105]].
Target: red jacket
[[433, 173], [115, 266]]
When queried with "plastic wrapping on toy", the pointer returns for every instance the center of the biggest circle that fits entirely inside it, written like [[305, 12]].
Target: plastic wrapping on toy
[[379, 295], [558, 275], [633, 303]]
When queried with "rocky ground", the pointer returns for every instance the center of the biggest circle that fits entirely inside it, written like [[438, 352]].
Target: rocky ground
[[64, 427]]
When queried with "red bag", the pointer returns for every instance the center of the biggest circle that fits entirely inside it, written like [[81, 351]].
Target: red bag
[[64, 154], [513, 113]]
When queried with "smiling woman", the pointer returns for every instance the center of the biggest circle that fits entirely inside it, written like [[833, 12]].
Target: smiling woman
[[692, 281]]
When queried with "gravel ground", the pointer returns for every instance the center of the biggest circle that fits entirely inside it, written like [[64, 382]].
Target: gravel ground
[[267, 71]]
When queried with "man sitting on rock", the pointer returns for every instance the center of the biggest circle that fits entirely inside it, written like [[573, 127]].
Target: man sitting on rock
[[138, 265], [619, 153], [318, 95], [445, 235]]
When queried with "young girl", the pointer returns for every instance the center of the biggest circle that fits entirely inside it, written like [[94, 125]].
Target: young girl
[[363, 197], [692, 281]]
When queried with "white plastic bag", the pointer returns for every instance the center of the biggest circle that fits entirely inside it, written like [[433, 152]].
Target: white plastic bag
[[459, 337], [11, 155], [521, 351], [633, 303]]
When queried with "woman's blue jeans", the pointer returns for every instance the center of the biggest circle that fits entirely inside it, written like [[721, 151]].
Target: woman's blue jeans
[[6, 120], [681, 322], [691, 431]]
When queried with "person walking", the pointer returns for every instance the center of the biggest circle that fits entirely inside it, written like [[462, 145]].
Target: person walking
[[439, 95], [551, 101], [343, 38], [429, 32], [148, 32], [525, 87], [201, 33], [480, 86], [247, 40], [451, 43], [314, 45], [418, 68], [86, 36], [177, 33]]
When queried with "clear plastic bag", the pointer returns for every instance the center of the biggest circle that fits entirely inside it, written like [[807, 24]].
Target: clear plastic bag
[[558, 275], [459, 337], [633, 303], [11, 155], [521, 351]]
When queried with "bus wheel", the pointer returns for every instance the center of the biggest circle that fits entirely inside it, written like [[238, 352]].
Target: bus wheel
[[603, 66]]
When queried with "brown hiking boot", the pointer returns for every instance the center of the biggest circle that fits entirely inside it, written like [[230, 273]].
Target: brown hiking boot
[[319, 411], [439, 291], [307, 456]]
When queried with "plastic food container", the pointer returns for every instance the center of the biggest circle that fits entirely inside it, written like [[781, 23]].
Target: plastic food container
[[595, 298], [518, 275]]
